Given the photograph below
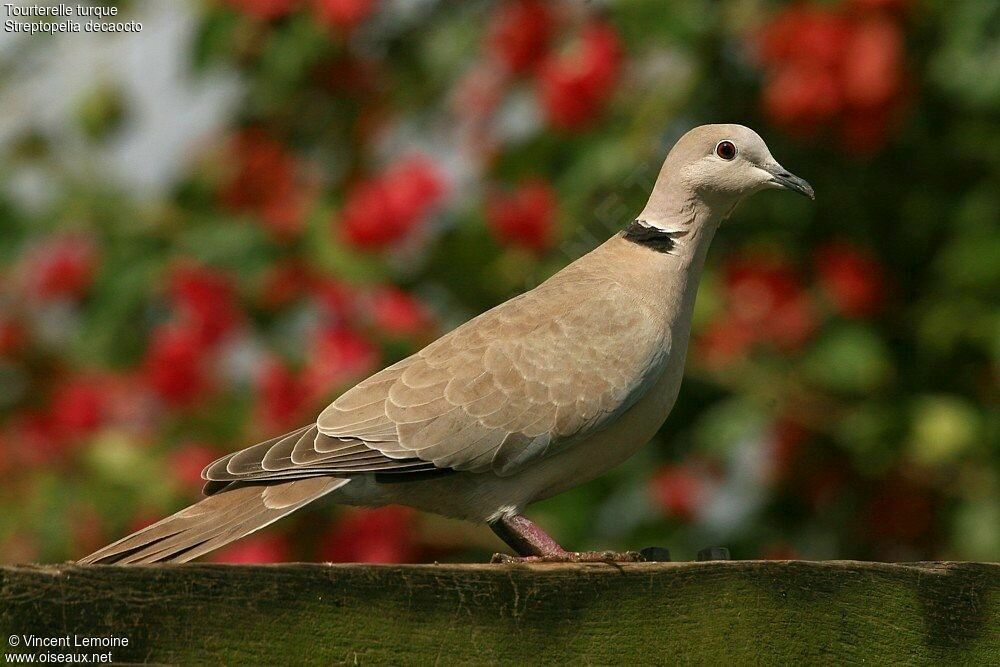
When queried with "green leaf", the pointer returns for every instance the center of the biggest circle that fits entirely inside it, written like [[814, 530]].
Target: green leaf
[[849, 358], [943, 428]]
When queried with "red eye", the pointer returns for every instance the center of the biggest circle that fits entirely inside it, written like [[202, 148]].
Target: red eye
[[726, 150]]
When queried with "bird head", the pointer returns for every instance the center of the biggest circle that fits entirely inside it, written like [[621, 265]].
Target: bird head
[[708, 171], [728, 162]]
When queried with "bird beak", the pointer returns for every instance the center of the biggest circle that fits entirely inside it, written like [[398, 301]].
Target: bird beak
[[783, 179]]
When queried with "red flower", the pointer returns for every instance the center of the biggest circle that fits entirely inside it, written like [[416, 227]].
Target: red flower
[[386, 208], [205, 301], [416, 184], [525, 217], [841, 70], [283, 396], [679, 490], [343, 15], [176, 365], [766, 297], [79, 406], [520, 33], [805, 34], [851, 278], [61, 267], [383, 535], [367, 219], [573, 87], [264, 10], [872, 64], [765, 303], [187, 462], [339, 355], [265, 183], [255, 549], [801, 98], [398, 313]]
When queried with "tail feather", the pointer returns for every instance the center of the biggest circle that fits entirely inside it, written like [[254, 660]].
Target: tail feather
[[214, 522]]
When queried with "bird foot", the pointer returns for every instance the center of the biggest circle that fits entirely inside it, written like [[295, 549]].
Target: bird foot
[[574, 557]]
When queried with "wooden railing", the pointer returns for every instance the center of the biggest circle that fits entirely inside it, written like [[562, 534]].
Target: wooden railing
[[718, 613]]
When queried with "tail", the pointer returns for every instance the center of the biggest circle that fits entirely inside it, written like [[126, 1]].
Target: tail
[[215, 521]]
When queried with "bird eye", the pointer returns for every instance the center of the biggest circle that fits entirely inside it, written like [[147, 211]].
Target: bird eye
[[726, 150]]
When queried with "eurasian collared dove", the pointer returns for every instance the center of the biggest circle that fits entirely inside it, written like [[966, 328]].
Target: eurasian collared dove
[[541, 393]]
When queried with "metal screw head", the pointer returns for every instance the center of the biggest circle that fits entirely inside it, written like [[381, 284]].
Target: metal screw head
[[655, 554], [714, 553]]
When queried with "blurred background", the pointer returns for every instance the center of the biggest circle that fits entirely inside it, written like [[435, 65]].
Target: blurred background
[[210, 228]]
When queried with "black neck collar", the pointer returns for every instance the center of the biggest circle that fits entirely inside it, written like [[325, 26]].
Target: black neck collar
[[651, 237]]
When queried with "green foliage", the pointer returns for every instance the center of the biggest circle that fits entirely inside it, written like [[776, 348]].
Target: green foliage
[[841, 392]]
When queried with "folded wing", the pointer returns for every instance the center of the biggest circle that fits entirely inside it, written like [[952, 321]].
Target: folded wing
[[510, 386]]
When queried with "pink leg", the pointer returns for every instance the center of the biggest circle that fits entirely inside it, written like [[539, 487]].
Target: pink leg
[[534, 545], [526, 537]]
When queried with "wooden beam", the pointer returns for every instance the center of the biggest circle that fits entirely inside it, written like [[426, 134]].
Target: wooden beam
[[737, 612]]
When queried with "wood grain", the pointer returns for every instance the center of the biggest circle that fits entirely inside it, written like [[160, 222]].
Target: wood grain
[[737, 612]]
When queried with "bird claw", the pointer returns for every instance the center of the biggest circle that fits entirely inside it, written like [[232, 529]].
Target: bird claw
[[574, 557]]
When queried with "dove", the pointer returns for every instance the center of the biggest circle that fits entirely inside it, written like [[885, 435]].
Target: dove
[[541, 393]]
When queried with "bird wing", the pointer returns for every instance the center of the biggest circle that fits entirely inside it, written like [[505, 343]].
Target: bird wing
[[512, 385]]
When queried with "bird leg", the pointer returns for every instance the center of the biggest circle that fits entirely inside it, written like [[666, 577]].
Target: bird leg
[[534, 545]]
